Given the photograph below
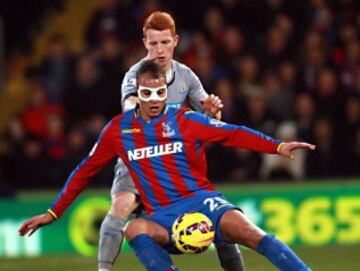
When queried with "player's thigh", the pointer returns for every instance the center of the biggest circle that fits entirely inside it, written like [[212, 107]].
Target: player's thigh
[[124, 199], [122, 181], [148, 227], [123, 203], [237, 228]]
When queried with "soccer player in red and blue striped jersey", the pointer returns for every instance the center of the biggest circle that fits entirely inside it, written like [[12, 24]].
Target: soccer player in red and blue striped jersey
[[163, 150]]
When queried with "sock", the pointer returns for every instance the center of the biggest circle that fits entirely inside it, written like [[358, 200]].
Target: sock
[[280, 254], [151, 254], [230, 257], [111, 237]]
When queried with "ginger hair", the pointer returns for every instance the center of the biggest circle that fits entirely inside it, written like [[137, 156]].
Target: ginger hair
[[160, 21]]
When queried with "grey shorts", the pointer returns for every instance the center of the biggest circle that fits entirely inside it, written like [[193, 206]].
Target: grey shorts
[[122, 180]]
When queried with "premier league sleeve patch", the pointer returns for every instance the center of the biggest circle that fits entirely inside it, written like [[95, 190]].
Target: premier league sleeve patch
[[216, 123], [130, 86]]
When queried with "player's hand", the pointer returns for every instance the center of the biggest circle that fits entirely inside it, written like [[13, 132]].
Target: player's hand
[[34, 223], [212, 105], [286, 149], [130, 103]]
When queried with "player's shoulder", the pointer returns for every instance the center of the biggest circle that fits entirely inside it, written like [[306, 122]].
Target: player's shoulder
[[122, 117], [128, 85], [128, 115], [134, 68], [115, 120], [176, 111], [185, 111], [118, 117], [181, 67], [186, 74]]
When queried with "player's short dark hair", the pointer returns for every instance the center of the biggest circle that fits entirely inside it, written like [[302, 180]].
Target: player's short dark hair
[[150, 67]]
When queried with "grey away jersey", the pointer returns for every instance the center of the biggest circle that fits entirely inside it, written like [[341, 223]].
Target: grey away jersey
[[182, 83]]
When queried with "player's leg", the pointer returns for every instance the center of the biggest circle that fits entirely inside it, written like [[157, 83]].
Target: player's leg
[[230, 257], [236, 228], [123, 203], [112, 228], [146, 238]]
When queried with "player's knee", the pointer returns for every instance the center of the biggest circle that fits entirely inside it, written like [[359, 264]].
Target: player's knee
[[248, 235], [135, 228], [238, 229], [123, 204], [251, 236]]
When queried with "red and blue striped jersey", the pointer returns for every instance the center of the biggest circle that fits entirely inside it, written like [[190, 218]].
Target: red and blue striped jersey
[[165, 156]]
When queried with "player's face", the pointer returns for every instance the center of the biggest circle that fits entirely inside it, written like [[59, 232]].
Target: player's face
[[150, 108], [160, 46]]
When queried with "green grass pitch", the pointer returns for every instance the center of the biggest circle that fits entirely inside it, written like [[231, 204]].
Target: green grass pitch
[[331, 258]]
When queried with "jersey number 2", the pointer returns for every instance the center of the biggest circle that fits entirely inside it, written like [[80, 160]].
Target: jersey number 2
[[214, 202]]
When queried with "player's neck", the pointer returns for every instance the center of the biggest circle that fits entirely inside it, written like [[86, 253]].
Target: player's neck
[[147, 117], [169, 74], [141, 113], [144, 116], [167, 68]]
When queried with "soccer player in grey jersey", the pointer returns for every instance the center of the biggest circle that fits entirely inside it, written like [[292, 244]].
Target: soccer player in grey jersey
[[160, 41], [182, 82]]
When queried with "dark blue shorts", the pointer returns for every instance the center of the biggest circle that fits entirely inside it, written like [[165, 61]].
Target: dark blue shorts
[[212, 204]]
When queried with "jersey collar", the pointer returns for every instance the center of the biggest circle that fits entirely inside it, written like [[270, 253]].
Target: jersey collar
[[170, 75], [154, 120]]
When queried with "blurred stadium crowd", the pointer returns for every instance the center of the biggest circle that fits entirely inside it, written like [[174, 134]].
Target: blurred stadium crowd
[[287, 68]]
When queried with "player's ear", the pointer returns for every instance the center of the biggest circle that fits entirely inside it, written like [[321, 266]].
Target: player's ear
[[176, 40], [144, 41]]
